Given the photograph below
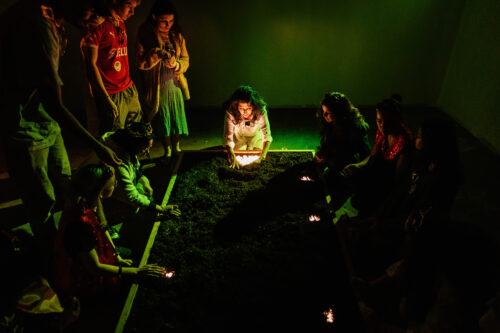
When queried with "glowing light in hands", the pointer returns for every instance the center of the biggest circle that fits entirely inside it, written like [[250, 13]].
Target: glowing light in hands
[[170, 274], [246, 159], [329, 316], [314, 218], [306, 179]]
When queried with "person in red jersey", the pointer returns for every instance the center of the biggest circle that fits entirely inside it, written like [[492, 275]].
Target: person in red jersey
[[106, 57]]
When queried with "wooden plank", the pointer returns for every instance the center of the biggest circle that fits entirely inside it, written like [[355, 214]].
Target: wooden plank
[[12, 203], [127, 308]]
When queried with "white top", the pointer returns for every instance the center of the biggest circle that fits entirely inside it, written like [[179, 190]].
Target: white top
[[234, 131]]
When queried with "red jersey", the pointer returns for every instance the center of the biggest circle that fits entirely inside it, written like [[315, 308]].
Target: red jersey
[[110, 37]]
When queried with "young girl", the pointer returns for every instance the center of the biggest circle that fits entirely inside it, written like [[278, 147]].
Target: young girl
[[85, 260], [133, 190]]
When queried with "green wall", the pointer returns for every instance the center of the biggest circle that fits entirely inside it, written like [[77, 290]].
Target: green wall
[[471, 89], [294, 51]]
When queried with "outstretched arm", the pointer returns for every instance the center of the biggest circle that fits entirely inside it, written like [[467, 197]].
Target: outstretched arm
[[92, 264], [51, 97], [354, 167]]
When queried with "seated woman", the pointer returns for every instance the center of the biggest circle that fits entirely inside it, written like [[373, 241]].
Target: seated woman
[[378, 171], [433, 176], [344, 138], [85, 261], [419, 221], [420, 204], [246, 125], [133, 190]]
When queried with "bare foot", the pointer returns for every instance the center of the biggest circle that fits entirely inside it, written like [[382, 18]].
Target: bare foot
[[177, 150]]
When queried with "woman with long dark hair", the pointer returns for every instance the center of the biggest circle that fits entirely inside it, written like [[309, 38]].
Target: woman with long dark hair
[[246, 125], [162, 59], [344, 137]]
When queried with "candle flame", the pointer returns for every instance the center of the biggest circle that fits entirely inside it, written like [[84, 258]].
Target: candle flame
[[329, 316], [246, 159], [170, 274], [306, 179], [314, 218]]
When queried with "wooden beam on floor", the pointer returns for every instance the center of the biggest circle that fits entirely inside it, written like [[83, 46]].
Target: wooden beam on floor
[[127, 308]]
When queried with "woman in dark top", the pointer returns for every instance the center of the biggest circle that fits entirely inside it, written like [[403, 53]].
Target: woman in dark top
[[344, 137], [344, 141], [85, 260]]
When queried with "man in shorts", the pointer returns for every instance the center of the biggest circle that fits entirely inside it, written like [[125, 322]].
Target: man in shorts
[[106, 58]]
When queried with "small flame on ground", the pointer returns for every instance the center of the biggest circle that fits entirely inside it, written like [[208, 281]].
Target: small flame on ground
[[306, 179], [170, 274], [329, 316], [246, 159], [314, 218]]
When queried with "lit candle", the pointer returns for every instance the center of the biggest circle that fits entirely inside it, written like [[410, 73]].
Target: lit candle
[[314, 218], [170, 274], [246, 159], [329, 316]]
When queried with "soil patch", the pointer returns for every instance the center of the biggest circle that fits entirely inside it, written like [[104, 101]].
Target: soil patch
[[245, 254]]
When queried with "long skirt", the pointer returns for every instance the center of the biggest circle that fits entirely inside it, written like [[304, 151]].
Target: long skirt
[[171, 117]]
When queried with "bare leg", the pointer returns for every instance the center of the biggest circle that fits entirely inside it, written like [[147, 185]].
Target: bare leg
[[166, 142], [175, 144]]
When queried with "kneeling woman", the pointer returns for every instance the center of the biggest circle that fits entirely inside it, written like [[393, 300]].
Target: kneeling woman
[[85, 260], [246, 125]]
